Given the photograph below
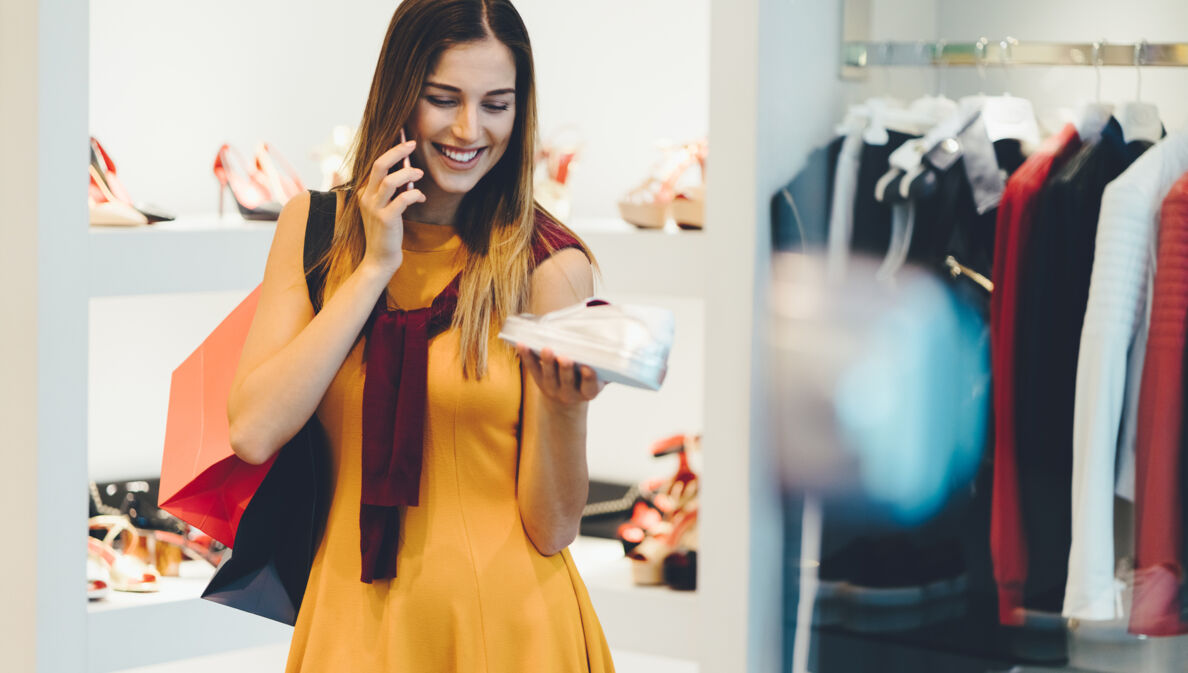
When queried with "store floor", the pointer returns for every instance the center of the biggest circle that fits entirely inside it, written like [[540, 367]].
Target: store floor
[[272, 658]]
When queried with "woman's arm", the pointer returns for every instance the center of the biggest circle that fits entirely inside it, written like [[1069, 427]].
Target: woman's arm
[[292, 355], [553, 480]]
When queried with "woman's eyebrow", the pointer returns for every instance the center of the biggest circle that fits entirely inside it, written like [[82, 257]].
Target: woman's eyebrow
[[455, 89]]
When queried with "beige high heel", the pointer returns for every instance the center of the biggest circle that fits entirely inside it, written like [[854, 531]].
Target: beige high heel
[[106, 209], [688, 207], [649, 204], [127, 572]]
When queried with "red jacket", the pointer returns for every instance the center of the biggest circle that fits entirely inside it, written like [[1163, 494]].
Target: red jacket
[[1016, 214], [1159, 531]]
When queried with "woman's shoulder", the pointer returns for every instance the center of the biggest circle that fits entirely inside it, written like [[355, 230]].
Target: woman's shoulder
[[550, 237]]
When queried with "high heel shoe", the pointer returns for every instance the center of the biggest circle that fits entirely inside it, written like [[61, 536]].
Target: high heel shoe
[[282, 180], [248, 189], [661, 537], [127, 572], [648, 205], [106, 209], [106, 169], [688, 206], [554, 162]]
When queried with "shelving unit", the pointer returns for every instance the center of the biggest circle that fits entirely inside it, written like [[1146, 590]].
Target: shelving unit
[[56, 266], [205, 253], [176, 623]]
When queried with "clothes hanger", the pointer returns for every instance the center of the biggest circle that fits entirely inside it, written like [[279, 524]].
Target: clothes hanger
[[888, 113], [1139, 120], [1094, 115], [1007, 116]]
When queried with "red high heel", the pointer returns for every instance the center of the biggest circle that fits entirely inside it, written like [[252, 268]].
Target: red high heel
[[106, 209], [248, 189], [661, 537], [108, 180], [281, 178]]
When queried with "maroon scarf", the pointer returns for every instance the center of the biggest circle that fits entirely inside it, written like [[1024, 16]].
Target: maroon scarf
[[394, 396]]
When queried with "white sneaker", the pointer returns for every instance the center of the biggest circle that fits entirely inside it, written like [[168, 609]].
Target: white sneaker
[[626, 343]]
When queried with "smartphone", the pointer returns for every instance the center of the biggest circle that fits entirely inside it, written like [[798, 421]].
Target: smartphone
[[405, 164]]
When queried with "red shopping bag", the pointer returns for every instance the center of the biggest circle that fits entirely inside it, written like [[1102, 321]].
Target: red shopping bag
[[202, 481]]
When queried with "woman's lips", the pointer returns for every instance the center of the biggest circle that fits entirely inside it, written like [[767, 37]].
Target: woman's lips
[[454, 163]]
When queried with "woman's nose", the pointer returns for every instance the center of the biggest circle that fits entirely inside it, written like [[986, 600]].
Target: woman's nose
[[466, 124]]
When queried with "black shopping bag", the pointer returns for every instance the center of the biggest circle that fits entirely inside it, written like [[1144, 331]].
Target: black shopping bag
[[279, 532]]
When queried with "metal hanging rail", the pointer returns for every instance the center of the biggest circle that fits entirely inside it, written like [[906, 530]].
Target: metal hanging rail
[[1012, 52]]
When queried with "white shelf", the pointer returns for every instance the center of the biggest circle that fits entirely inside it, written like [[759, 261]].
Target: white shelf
[[650, 620], [205, 253], [191, 254], [128, 630], [666, 261]]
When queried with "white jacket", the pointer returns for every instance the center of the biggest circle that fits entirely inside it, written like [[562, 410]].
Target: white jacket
[[1113, 345]]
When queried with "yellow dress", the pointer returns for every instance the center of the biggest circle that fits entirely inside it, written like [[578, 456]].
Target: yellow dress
[[472, 594]]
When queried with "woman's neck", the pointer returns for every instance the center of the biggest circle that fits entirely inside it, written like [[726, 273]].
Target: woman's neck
[[439, 207]]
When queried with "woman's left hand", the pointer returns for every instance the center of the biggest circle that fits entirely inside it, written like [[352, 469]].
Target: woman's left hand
[[560, 380]]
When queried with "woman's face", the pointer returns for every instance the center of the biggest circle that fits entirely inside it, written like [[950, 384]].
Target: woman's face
[[467, 104]]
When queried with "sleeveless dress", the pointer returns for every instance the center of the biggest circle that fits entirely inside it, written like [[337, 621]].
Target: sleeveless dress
[[472, 594]]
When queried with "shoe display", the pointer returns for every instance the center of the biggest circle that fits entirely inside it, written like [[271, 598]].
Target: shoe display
[[98, 578], [554, 163], [649, 204], [247, 184], [116, 205], [332, 157], [688, 206], [106, 209], [283, 181], [128, 571], [661, 537], [623, 343]]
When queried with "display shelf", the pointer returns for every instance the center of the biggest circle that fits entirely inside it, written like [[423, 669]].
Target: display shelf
[[129, 630], [672, 617], [191, 254], [208, 253], [667, 261]]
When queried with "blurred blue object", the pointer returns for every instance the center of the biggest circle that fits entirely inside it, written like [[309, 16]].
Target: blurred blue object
[[880, 389]]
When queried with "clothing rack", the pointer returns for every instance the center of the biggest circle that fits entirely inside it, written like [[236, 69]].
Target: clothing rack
[[1011, 52]]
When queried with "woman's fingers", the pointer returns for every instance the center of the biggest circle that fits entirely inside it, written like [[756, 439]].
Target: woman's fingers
[[401, 202], [561, 378], [379, 169], [566, 379], [548, 362], [591, 385], [394, 184], [530, 362]]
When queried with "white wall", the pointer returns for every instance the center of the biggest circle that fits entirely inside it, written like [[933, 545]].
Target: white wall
[[171, 82], [1051, 88]]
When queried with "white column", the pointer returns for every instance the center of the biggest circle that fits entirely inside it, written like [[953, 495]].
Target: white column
[[43, 229]]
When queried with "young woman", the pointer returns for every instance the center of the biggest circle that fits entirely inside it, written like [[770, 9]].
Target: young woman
[[458, 464]]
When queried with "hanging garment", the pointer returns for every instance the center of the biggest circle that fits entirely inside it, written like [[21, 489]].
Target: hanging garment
[[1016, 215], [957, 196], [800, 209], [845, 188], [1051, 308], [1115, 324], [872, 218], [1159, 563]]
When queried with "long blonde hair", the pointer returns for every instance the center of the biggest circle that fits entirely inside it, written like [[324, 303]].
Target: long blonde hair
[[497, 219]]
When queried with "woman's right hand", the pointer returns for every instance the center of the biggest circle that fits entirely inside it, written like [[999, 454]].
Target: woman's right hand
[[383, 221]]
